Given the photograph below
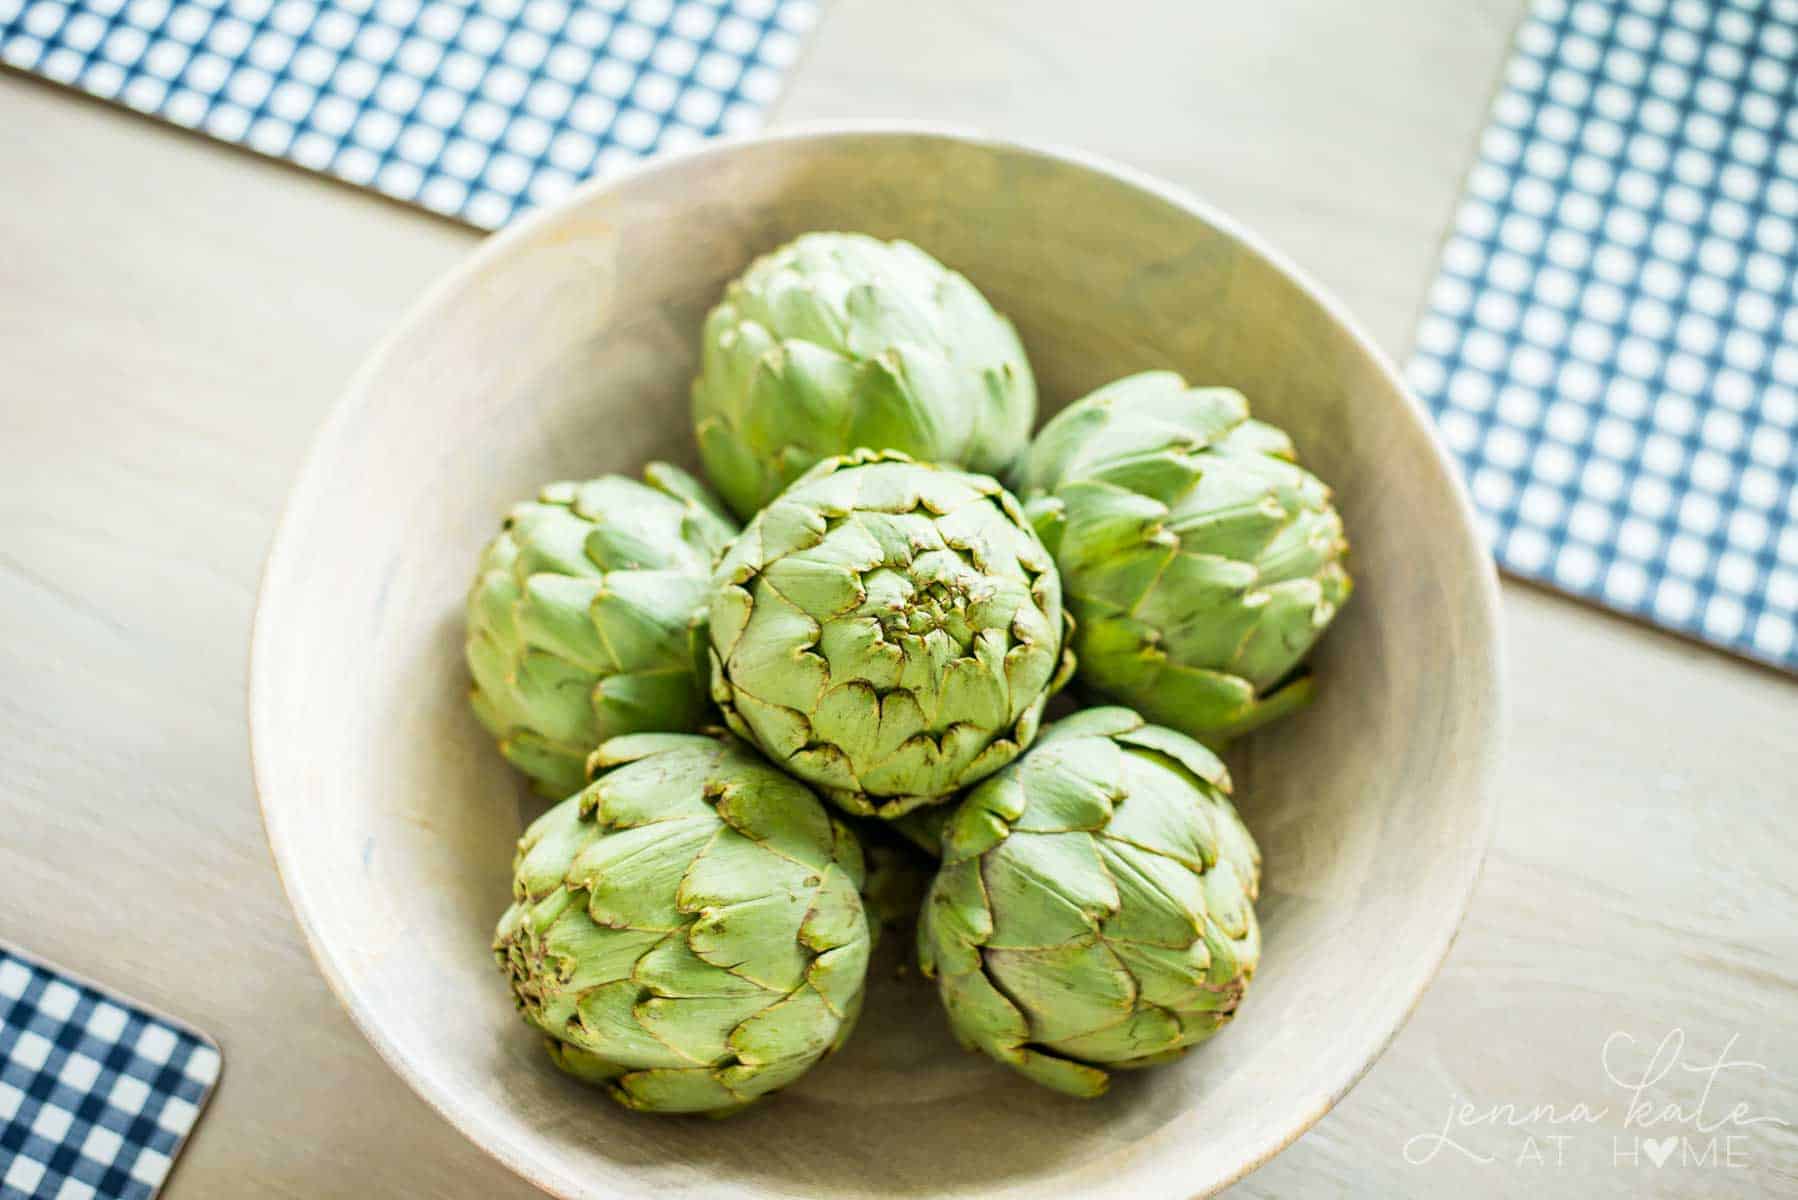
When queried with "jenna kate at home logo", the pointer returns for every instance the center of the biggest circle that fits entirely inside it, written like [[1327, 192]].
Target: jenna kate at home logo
[[1664, 1105]]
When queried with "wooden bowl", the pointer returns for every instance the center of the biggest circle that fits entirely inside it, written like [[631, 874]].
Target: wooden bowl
[[563, 349]]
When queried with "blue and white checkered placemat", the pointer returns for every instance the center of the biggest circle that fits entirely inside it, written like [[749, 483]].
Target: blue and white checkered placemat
[[96, 1094], [475, 110], [1612, 345]]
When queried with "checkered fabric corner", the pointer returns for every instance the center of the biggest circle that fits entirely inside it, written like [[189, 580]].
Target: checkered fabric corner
[[474, 110], [96, 1094], [1612, 344]]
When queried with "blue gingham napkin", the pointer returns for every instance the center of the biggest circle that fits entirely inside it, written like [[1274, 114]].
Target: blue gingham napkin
[[96, 1094], [1612, 344], [474, 110]]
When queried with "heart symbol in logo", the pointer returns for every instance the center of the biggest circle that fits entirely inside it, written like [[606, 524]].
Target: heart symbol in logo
[[1660, 1151]]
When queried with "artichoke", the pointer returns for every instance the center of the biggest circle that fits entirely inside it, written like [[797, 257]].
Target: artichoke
[[687, 930], [838, 341], [1094, 905], [1200, 561], [898, 872], [888, 631], [585, 620]]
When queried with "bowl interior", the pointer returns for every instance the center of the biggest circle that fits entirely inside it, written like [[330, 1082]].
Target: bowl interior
[[564, 350]]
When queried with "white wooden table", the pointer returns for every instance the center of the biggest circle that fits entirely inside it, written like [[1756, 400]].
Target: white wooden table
[[175, 317]]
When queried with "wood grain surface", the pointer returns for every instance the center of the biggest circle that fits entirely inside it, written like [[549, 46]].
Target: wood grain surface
[[176, 316]]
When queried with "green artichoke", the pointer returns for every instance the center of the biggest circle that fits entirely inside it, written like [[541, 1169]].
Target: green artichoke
[[687, 930], [888, 631], [585, 620], [898, 872], [1200, 562], [836, 342], [1094, 907]]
